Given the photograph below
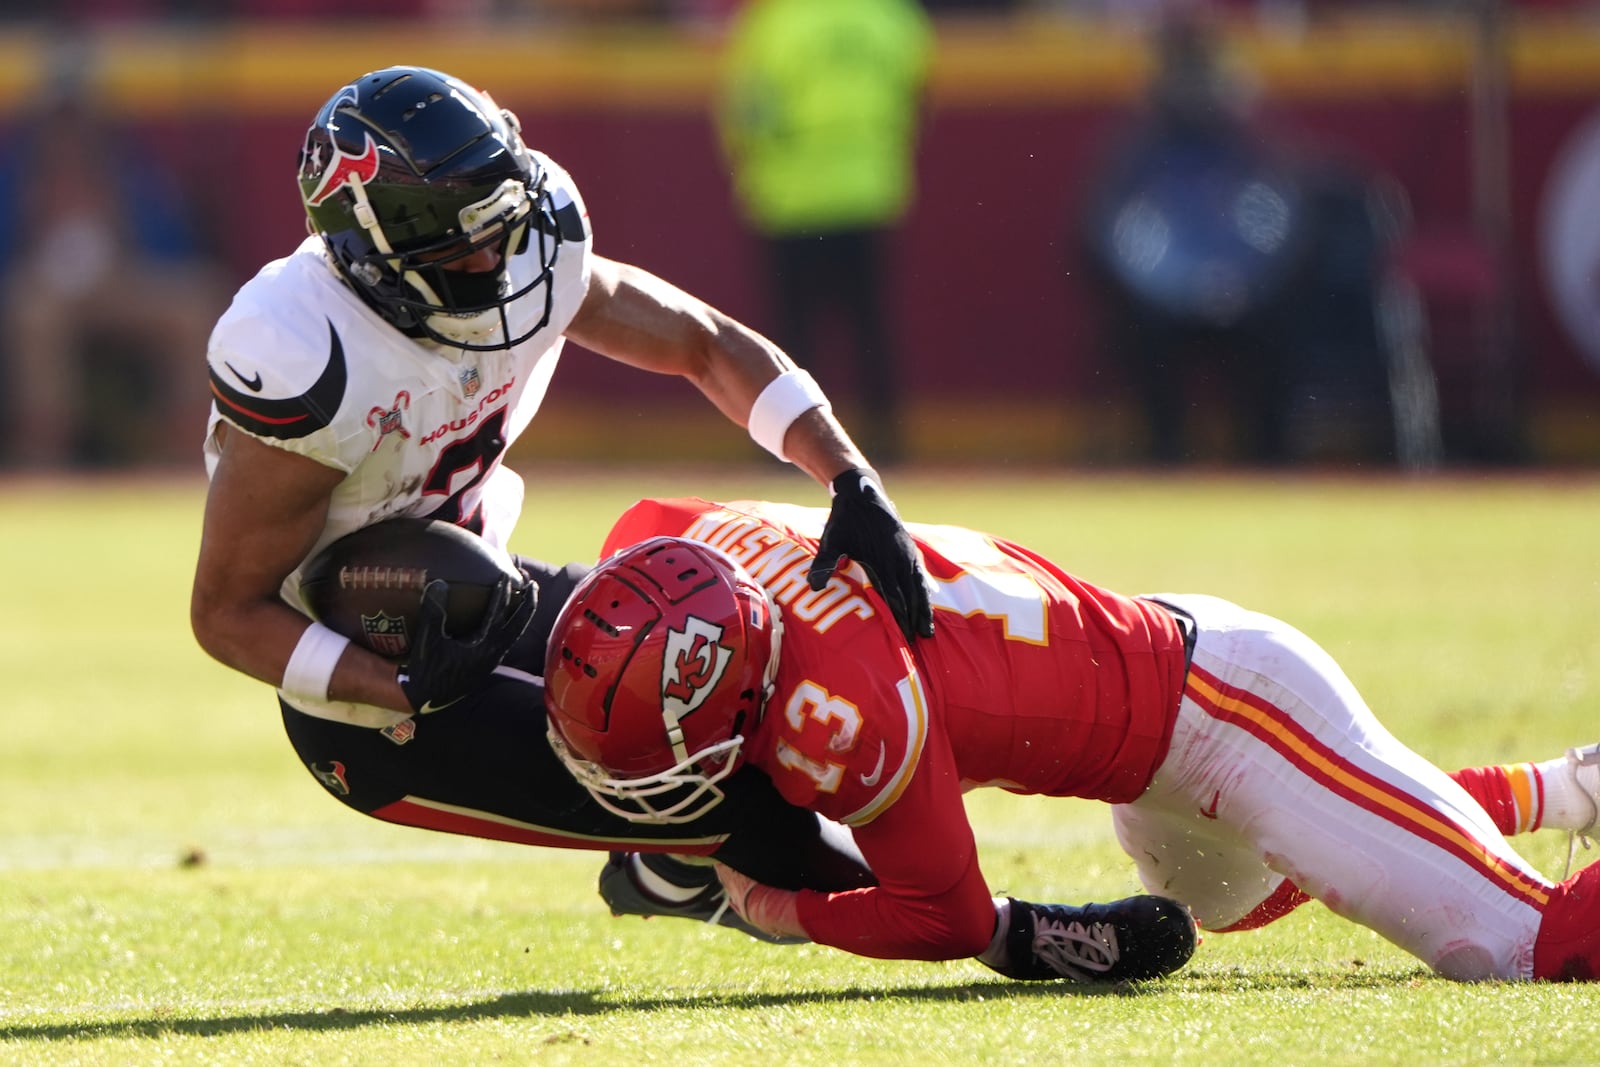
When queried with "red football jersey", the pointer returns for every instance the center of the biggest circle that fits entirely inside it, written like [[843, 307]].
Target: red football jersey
[[1034, 681]]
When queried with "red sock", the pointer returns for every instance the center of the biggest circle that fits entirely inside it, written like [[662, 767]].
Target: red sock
[[1512, 794]]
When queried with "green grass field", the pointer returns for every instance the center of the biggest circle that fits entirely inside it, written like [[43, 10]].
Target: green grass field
[[174, 888]]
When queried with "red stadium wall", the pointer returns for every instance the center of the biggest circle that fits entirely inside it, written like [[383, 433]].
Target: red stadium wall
[[997, 334]]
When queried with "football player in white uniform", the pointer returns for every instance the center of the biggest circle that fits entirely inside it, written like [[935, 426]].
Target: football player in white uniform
[[384, 367]]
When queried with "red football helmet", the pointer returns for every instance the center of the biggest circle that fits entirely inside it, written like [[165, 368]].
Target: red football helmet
[[660, 659]]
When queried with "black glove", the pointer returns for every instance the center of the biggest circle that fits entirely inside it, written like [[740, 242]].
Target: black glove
[[863, 526], [443, 668]]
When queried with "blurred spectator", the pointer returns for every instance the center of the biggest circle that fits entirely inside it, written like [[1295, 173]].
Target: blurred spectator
[[105, 301], [1238, 272], [819, 117]]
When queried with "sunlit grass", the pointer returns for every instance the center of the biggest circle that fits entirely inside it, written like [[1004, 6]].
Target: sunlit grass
[[175, 889]]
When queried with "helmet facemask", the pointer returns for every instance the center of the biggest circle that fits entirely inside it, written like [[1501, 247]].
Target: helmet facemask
[[680, 794], [463, 308]]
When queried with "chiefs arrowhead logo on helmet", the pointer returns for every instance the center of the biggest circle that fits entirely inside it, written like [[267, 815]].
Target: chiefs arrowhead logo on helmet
[[694, 662]]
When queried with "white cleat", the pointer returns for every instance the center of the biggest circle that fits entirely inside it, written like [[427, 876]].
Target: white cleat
[[1585, 763]]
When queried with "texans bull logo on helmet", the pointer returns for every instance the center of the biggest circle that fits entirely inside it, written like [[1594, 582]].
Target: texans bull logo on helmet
[[341, 170]]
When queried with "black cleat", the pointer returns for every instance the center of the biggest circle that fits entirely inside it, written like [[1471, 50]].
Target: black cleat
[[1128, 940], [625, 896]]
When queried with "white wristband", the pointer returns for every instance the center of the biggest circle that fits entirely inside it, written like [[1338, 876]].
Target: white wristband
[[787, 397], [311, 664]]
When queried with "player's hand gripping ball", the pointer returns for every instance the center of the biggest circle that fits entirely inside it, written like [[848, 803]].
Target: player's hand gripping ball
[[368, 584]]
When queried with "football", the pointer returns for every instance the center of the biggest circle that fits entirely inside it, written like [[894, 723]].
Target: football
[[368, 584]]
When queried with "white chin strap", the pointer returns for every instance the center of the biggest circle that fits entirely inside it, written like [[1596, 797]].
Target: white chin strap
[[471, 329]]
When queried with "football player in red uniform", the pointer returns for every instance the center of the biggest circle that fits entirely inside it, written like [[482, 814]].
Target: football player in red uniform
[[385, 366], [1246, 773]]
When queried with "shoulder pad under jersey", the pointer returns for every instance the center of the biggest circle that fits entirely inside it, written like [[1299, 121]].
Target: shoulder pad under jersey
[[292, 406]]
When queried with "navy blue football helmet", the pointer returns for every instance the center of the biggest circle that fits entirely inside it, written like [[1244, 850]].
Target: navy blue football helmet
[[407, 172]]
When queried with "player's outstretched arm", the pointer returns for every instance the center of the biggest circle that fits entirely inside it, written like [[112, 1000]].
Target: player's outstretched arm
[[632, 316], [1134, 939]]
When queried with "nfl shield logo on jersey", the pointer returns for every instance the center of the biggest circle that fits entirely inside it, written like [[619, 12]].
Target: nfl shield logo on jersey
[[386, 633], [400, 732], [470, 382]]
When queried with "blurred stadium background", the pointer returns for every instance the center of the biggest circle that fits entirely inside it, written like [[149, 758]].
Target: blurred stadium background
[[1479, 118]]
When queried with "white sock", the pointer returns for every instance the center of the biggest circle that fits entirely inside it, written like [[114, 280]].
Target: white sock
[[995, 955], [1570, 789]]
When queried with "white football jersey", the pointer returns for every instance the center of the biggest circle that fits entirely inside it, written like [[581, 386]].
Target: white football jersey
[[300, 362]]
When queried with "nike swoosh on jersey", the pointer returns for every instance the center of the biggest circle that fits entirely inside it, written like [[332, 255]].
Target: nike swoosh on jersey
[[292, 417], [870, 780], [252, 384]]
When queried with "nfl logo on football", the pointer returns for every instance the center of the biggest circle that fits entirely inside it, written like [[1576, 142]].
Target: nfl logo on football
[[385, 633]]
